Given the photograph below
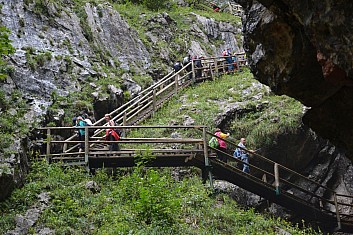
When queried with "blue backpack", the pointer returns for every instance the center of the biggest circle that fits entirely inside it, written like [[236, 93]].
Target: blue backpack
[[237, 153]]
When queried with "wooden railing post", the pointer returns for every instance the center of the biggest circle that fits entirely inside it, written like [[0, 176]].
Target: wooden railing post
[[154, 100], [205, 151], [216, 66], [64, 147], [124, 119], [337, 212], [176, 84], [48, 145], [276, 171], [193, 72], [264, 179], [86, 146]]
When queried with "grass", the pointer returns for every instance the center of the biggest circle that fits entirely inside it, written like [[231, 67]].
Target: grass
[[261, 119], [144, 201]]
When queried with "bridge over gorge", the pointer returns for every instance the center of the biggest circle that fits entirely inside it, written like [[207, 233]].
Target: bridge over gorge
[[313, 202]]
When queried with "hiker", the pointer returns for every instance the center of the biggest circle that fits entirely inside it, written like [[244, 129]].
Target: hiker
[[243, 155], [222, 145], [88, 122], [177, 66], [74, 121], [111, 134], [81, 132], [198, 67], [215, 7], [187, 60], [235, 62], [228, 57]]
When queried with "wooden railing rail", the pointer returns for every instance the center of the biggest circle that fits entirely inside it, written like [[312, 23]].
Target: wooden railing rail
[[278, 179], [170, 84]]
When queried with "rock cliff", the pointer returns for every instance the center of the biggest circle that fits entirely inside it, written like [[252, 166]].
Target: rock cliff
[[84, 56], [303, 49]]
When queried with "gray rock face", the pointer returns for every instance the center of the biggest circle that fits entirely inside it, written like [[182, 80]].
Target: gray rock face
[[73, 53], [302, 151], [13, 168], [304, 50], [28, 220], [62, 49]]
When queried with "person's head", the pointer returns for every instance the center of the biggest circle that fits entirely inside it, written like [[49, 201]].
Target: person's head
[[217, 130], [79, 118], [107, 117], [243, 140]]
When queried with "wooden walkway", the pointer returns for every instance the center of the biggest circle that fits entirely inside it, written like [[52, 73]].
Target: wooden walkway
[[268, 179], [151, 99]]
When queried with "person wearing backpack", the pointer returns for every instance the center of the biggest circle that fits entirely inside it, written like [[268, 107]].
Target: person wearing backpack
[[186, 60], [80, 124], [88, 123], [243, 155], [221, 154], [111, 134]]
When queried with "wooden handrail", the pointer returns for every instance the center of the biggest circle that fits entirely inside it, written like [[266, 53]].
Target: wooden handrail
[[279, 187]]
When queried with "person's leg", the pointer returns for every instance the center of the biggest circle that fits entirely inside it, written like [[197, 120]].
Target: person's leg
[[82, 145], [245, 160], [219, 154], [222, 155], [115, 147]]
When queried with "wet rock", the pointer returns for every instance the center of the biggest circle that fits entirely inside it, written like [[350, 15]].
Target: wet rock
[[92, 186], [304, 51]]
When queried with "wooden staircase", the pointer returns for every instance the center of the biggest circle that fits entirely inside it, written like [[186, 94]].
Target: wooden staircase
[[279, 185]]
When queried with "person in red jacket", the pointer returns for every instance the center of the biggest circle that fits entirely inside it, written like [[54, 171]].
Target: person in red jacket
[[110, 134], [215, 7], [222, 145]]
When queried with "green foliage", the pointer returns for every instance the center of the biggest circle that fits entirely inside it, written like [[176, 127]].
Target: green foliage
[[143, 80], [41, 7], [144, 202], [153, 5], [5, 49], [142, 158], [13, 108], [34, 60], [261, 121]]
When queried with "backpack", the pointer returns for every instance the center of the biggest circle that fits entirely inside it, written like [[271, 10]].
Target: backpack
[[88, 122], [237, 153], [213, 143], [117, 129], [186, 60]]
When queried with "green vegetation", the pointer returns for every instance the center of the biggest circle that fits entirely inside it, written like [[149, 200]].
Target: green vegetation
[[12, 106], [145, 201], [5, 49], [262, 119]]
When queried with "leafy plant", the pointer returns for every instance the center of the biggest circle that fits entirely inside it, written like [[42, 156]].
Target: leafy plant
[[146, 201], [5, 49]]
